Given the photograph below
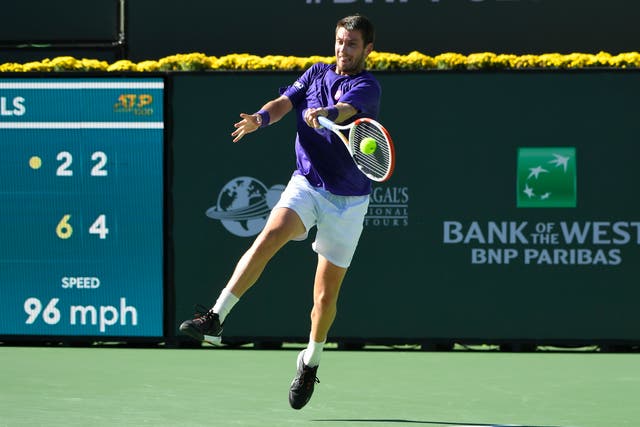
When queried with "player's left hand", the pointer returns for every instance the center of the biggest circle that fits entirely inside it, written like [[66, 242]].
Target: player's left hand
[[248, 124]]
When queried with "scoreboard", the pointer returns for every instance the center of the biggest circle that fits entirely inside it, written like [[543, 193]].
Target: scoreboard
[[81, 207]]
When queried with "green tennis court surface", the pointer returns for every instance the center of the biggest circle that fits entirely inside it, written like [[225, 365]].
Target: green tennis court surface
[[62, 386]]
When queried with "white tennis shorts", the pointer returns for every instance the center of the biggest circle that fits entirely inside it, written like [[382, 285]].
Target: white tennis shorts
[[339, 219]]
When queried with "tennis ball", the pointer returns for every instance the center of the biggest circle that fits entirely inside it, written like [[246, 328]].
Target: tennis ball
[[368, 145]]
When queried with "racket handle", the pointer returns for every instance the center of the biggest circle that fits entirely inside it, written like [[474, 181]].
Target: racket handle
[[326, 123]]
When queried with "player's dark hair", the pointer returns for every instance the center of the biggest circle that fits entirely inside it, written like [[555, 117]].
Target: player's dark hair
[[358, 23]]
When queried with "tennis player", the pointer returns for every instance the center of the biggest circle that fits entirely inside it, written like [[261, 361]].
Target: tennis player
[[326, 190]]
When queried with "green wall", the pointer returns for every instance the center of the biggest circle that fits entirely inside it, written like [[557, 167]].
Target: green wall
[[458, 138]]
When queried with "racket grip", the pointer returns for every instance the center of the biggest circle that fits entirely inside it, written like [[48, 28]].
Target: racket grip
[[326, 123]]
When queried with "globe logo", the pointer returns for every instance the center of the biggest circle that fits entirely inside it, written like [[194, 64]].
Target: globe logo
[[244, 204]]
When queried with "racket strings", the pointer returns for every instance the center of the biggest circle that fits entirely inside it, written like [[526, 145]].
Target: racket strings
[[378, 163]]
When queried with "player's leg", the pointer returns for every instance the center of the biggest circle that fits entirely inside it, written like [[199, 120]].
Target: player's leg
[[326, 287], [283, 225], [339, 228], [339, 231]]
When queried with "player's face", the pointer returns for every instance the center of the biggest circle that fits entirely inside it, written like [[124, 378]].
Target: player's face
[[351, 53]]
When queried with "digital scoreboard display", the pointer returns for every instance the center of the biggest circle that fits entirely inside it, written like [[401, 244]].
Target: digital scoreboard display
[[81, 207]]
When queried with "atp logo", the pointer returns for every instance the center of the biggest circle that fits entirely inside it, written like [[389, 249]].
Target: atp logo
[[137, 104], [547, 177]]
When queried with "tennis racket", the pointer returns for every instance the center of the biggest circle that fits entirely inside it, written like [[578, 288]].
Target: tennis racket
[[377, 165]]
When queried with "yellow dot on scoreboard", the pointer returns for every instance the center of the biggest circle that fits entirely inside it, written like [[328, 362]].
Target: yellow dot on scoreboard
[[35, 162]]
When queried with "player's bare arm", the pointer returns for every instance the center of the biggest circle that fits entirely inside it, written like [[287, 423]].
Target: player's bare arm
[[275, 110]]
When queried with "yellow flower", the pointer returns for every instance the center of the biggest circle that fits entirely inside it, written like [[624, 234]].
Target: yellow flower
[[93, 65], [148, 66], [482, 60], [35, 66], [185, 62], [415, 60], [626, 60], [122, 65], [11, 67], [419, 61], [449, 60]]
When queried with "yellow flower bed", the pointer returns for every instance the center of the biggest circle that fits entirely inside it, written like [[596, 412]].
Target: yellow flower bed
[[376, 61]]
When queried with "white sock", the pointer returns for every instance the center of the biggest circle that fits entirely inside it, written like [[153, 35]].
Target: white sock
[[312, 353], [224, 304]]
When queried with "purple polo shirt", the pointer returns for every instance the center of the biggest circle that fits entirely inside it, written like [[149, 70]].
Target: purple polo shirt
[[321, 156]]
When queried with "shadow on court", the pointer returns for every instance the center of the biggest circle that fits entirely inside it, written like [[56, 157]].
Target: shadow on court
[[439, 423]]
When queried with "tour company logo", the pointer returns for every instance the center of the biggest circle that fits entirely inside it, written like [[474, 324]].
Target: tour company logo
[[388, 207], [547, 177], [243, 205]]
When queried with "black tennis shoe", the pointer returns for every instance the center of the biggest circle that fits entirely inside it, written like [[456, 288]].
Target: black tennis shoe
[[204, 327], [303, 384]]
